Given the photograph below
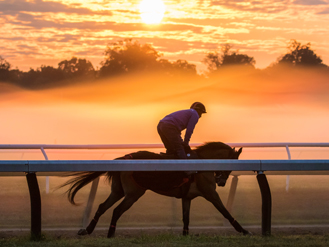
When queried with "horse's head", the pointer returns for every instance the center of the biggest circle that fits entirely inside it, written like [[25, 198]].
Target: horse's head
[[236, 154], [218, 150]]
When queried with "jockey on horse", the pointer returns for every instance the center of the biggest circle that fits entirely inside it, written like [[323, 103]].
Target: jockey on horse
[[171, 126]]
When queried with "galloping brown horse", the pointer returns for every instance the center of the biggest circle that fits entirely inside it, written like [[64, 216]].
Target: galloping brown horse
[[130, 186]]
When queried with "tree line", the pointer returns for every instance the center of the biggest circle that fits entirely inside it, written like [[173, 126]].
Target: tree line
[[128, 56]]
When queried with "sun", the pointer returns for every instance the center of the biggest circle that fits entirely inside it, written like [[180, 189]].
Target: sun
[[152, 11]]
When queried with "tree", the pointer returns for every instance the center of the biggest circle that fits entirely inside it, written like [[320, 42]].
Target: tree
[[30, 79], [182, 66], [215, 61], [179, 67], [49, 74], [77, 68], [127, 56], [300, 55], [43, 77], [4, 70], [4, 65]]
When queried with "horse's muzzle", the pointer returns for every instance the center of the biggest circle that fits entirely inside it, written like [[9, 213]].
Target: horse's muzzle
[[220, 181]]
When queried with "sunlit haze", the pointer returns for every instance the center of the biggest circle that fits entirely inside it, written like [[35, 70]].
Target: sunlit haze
[[248, 107]]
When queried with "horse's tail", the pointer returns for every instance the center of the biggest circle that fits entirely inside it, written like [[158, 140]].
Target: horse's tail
[[80, 180]]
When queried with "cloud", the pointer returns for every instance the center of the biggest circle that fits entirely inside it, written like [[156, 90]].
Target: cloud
[[266, 6], [310, 2], [324, 12], [66, 37], [13, 38], [40, 22], [37, 6]]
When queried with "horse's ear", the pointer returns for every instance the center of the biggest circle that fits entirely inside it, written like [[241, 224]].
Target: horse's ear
[[234, 149], [240, 151]]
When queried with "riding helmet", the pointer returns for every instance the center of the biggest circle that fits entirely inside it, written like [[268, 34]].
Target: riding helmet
[[198, 106]]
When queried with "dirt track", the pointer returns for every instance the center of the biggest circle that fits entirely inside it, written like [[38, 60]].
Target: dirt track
[[102, 232]]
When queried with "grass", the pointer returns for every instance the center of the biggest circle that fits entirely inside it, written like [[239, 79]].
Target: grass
[[163, 240]]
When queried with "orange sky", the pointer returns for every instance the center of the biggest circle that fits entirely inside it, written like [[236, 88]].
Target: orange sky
[[45, 32]]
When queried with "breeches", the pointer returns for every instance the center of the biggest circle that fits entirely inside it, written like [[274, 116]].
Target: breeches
[[172, 140]]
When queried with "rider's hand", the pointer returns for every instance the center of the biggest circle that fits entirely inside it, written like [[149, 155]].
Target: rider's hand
[[187, 149]]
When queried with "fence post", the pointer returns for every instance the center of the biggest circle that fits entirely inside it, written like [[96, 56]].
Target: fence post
[[35, 200], [47, 178], [89, 206], [266, 203], [231, 196]]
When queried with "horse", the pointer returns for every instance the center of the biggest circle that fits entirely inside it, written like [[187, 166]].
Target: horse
[[129, 185]]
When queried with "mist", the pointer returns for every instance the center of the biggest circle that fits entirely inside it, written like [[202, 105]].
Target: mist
[[242, 105]]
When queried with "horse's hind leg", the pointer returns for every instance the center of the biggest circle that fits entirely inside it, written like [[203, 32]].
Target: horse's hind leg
[[102, 208], [127, 202], [116, 194]]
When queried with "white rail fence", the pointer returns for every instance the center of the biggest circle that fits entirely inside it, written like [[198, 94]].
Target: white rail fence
[[44, 147]]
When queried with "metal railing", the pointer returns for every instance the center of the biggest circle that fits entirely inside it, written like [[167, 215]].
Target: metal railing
[[44, 147], [162, 165]]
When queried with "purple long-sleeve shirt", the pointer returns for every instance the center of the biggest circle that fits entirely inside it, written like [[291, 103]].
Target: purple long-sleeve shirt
[[184, 119]]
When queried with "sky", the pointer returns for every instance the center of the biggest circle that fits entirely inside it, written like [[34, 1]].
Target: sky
[[45, 32]]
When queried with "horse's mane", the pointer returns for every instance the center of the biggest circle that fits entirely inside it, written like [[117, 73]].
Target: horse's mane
[[213, 145]]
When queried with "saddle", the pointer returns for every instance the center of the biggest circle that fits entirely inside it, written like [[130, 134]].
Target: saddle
[[160, 181], [191, 155]]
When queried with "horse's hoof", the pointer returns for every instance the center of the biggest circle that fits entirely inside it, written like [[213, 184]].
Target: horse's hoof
[[247, 233], [111, 231], [82, 232]]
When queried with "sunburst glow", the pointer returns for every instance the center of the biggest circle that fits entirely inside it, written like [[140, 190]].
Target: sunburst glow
[[152, 11]]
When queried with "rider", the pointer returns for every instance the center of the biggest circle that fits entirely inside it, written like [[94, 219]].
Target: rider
[[170, 127]]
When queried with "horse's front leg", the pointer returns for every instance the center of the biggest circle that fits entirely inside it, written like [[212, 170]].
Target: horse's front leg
[[214, 198], [186, 205]]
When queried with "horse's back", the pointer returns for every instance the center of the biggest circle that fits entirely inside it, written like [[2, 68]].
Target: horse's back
[[141, 155]]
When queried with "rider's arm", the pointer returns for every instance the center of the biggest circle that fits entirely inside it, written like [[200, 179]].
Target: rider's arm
[[190, 127]]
